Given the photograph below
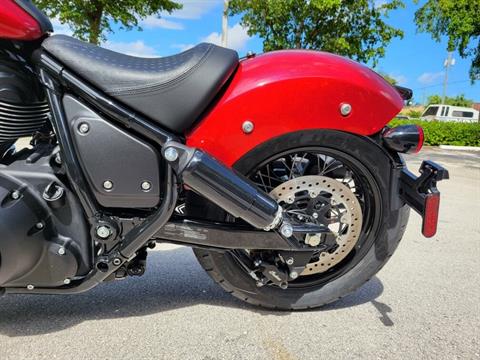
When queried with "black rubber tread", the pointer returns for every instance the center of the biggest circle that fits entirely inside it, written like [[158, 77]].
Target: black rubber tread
[[229, 276], [205, 259]]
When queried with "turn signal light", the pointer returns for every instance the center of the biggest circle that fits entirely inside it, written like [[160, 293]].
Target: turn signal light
[[430, 216], [404, 139]]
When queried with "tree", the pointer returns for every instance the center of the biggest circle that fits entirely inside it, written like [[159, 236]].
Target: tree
[[458, 100], [389, 79], [353, 28], [458, 20], [91, 20]]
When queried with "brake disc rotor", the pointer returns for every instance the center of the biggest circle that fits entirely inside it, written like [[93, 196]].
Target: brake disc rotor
[[340, 210]]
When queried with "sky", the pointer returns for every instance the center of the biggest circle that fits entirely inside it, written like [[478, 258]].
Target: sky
[[416, 61]]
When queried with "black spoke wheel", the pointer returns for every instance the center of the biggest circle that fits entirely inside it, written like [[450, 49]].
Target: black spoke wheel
[[354, 162], [301, 162]]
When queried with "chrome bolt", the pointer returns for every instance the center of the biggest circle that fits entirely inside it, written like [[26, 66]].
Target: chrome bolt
[[61, 251], [108, 185], [103, 232], [257, 263], [345, 109], [294, 275], [15, 195], [290, 200], [313, 194], [83, 128], [117, 261], [315, 215], [67, 281], [286, 230], [290, 261], [39, 226], [30, 287], [146, 186], [170, 154], [247, 127]]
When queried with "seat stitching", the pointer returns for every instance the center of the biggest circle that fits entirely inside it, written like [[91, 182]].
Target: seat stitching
[[151, 86], [159, 85]]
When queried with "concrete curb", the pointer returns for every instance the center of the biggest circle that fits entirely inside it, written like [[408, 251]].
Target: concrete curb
[[460, 148]]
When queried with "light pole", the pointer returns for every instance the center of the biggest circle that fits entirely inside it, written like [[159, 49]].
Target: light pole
[[449, 61], [225, 24]]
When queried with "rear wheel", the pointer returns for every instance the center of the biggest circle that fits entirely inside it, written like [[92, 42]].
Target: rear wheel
[[329, 177]]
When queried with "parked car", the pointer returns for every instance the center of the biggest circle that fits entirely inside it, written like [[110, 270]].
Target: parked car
[[450, 113]]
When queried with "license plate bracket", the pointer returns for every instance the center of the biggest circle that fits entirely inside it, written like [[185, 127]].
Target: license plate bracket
[[422, 195]]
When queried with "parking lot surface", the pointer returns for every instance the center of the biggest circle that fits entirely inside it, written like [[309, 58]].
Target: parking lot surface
[[425, 303]]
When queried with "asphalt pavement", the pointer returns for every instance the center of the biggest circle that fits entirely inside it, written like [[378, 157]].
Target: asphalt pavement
[[424, 304]]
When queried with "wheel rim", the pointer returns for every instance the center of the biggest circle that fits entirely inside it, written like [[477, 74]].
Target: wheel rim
[[343, 168]]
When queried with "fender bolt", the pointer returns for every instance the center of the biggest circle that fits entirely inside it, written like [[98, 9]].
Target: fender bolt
[[30, 287], [39, 226], [345, 109], [61, 251], [247, 127], [15, 195]]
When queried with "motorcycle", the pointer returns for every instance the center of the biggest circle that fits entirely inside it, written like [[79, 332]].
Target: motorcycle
[[278, 169]]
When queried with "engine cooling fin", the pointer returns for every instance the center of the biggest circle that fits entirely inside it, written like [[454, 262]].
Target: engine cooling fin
[[21, 120]]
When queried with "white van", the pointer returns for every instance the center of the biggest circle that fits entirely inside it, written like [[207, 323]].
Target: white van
[[450, 113]]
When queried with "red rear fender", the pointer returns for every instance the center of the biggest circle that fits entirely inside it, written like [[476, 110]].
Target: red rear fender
[[287, 91]]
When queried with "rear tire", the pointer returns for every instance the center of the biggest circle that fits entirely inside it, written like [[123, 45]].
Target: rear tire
[[382, 238]]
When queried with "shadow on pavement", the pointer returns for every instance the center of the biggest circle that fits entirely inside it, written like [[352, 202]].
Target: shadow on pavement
[[173, 280]]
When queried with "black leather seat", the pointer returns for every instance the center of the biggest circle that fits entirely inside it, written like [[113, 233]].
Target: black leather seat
[[172, 91]]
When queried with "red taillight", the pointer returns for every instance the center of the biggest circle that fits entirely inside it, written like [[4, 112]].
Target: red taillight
[[430, 216], [421, 138]]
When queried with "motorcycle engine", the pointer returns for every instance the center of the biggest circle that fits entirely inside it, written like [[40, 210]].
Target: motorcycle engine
[[44, 237]]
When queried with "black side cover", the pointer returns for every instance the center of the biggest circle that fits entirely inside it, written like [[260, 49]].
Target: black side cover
[[108, 153]]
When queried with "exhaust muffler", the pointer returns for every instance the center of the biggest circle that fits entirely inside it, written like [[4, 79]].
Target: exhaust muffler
[[223, 186]]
